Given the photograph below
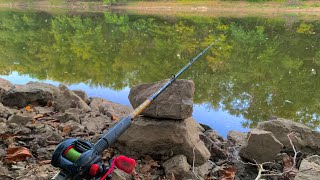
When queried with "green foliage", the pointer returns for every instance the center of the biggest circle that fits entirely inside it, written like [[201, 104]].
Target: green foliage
[[259, 68]]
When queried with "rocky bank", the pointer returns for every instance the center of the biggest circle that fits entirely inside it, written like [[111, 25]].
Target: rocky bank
[[165, 140]]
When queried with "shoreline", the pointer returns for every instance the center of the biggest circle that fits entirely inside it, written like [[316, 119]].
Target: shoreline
[[201, 8]]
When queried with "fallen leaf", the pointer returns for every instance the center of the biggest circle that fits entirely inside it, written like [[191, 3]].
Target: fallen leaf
[[6, 135], [17, 154], [66, 130], [145, 168], [287, 167], [107, 154], [10, 141], [147, 158], [148, 177], [136, 176], [228, 173], [38, 116], [45, 162], [28, 108], [114, 118], [173, 177], [154, 163]]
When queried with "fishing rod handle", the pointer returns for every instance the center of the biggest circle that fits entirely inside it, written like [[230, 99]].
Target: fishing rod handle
[[112, 134]]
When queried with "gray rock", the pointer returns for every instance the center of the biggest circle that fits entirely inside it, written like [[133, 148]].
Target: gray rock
[[4, 173], [203, 170], [261, 146], [43, 153], [117, 174], [236, 138], [2, 153], [305, 139], [5, 86], [214, 136], [53, 136], [3, 128], [83, 95], [96, 124], [5, 112], [32, 92], [314, 158], [74, 126], [309, 169], [71, 114], [166, 137], [43, 110], [2, 120], [109, 108], [21, 118], [176, 102], [68, 99], [177, 165]]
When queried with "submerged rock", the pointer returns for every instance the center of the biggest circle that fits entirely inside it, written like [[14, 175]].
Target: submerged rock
[[304, 138], [176, 102], [33, 92], [165, 138], [261, 146], [68, 99]]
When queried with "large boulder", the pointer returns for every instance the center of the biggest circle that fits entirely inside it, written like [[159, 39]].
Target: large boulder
[[176, 102], [5, 86], [109, 108], [304, 138], [261, 146], [33, 92], [68, 99], [309, 169], [165, 138]]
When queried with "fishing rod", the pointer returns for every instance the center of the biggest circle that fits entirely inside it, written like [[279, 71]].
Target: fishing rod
[[79, 159]]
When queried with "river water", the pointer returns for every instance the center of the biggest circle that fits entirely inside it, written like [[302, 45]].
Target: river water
[[261, 68]]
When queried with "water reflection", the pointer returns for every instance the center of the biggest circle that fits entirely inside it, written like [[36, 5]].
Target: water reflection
[[260, 68]]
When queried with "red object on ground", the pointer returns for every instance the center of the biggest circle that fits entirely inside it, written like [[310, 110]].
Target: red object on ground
[[125, 164], [94, 169], [122, 162]]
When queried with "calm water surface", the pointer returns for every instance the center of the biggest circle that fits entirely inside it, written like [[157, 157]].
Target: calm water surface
[[260, 68]]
